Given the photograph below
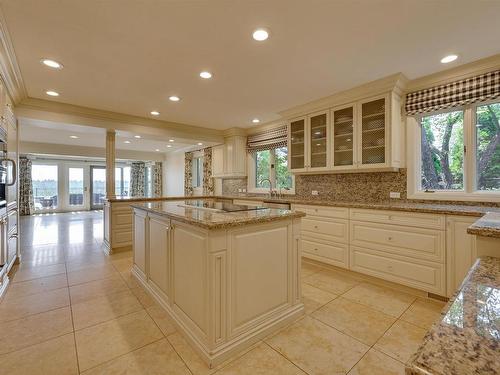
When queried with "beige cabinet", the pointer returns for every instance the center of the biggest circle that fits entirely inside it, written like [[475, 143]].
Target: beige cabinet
[[230, 159], [461, 250], [344, 140], [309, 143], [218, 160], [372, 132], [159, 254], [140, 245]]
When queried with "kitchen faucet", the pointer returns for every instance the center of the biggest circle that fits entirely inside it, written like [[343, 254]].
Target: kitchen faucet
[[270, 186]]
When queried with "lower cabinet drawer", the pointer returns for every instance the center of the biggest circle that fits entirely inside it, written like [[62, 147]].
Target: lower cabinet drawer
[[333, 253], [336, 230], [424, 275]]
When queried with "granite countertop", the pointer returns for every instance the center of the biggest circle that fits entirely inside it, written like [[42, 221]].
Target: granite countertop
[[488, 225], [208, 219], [466, 339]]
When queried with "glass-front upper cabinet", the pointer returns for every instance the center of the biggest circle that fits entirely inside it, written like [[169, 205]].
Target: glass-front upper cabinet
[[297, 152], [343, 137], [373, 131], [318, 141]]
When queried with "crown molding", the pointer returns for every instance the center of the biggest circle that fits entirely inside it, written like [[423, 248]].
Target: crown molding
[[9, 69], [455, 74], [72, 114], [231, 132], [395, 82]]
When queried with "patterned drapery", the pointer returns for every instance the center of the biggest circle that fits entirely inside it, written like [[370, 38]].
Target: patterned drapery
[[137, 177], [268, 140], [454, 94], [26, 201], [188, 174], [156, 176], [208, 180]]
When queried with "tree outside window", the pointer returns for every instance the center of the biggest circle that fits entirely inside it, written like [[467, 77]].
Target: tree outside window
[[488, 147], [272, 165]]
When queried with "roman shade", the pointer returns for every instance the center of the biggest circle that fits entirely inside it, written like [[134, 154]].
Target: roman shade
[[475, 89], [267, 140]]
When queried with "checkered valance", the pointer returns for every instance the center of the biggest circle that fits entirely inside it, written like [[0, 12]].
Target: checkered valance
[[466, 91], [267, 140]]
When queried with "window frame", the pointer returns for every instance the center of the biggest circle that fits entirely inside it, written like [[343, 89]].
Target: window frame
[[252, 172], [470, 192]]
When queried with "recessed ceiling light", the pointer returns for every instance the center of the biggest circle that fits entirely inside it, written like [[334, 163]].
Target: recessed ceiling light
[[174, 98], [155, 113], [137, 136], [169, 146], [200, 144], [206, 75], [317, 133], [171, 140], [255, 120], [126, 141], [52, 93], [448, 59], [157, 150], [51, 63], [74, 136], [260, 35]]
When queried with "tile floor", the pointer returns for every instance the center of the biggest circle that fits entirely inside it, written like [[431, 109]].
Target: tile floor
[[72, 310]]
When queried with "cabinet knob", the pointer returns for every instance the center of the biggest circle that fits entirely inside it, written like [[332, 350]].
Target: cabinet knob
[[389, 238], [315, 227]]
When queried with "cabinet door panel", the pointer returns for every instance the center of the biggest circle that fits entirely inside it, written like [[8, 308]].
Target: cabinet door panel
[[297, 144], [158, 253], [373, 131], [343, 138], [140, 228], [318, 144]]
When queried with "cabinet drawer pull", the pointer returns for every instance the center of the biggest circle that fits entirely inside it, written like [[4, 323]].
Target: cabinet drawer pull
[[315, 227], [389, 238]]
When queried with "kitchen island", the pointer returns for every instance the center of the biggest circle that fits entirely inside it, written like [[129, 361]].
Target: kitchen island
[[227, 274]]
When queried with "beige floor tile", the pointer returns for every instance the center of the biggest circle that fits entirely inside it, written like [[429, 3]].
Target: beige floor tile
[[106, 341], [79, 264], [261, 360], [16, 308], [88, 274], [308, 269], [317, 348], [389, 301], [423, 312], [157, 358], [331, 281], [56, 356], [377, 363], [401, 340], [189, 356], [24, 274], [101, 309], [35, 286], [358, 321], [161, 319], [130, 279], [121, 255], [143, 297], [98, 288], [123, 265], [34, 329], [313, 298]]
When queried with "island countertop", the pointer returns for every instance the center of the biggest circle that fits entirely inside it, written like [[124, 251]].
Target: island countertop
[[487, 226], [209, 219], [466, 339]]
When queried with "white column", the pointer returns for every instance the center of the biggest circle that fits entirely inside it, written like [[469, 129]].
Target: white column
[[110, 164]]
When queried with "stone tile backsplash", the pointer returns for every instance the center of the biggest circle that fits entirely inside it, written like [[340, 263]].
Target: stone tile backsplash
[[230, 186]]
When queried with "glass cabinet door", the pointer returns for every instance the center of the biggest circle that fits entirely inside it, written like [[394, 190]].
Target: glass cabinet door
[[343, 137], [297, 144], [318, 144], [373, 132]]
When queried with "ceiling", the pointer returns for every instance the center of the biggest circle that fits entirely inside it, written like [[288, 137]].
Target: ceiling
[[59, 133], [129, 56]]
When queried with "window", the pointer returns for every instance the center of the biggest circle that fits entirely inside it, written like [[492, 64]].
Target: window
[[45, 187], [458, 156], [270, 165], [122, 181], [197, 172], [75, 186]]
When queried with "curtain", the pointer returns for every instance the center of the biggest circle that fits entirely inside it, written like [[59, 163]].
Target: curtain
[[208, 180], [156, 176], [188, 174], [268, 140], [475, 89], [26, 202], [137, 177]]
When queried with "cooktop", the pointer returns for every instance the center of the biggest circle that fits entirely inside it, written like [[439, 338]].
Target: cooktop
[[221, 206]]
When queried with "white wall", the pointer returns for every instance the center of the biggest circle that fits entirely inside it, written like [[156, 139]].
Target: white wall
[[173, 174]]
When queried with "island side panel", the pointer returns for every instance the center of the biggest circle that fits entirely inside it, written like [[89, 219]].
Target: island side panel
[[140, 246], [159, 255]]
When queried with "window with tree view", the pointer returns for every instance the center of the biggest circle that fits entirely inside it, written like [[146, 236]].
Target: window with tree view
[[442, 151], [488, 147], [272, 165]]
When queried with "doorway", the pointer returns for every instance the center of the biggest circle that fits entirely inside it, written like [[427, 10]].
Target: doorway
[[97, 187]]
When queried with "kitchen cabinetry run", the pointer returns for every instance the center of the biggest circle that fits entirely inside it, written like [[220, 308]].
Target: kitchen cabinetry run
[[229, 159]]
